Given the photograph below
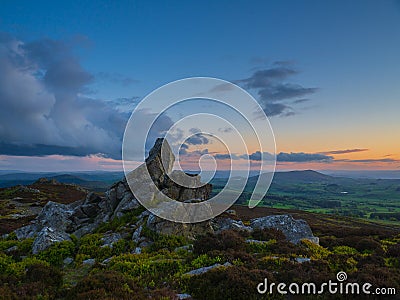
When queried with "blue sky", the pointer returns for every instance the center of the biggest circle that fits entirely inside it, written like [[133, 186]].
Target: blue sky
[[343, 53]]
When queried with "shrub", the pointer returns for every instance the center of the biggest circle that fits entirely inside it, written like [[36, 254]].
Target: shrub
[[169, 242], [368, 244], [228, 283], [225, 240], [204, 260], [315, 251], [147, 270], [57, 252], [393, 250], [345, 250], [106, 285]]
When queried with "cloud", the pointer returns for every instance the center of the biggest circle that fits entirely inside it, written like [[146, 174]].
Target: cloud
[[382, 160], [263, 78], [273, 90], [43, 110], [197, 139], [303, 157], [344, 151], [225, 130], [116, 78]]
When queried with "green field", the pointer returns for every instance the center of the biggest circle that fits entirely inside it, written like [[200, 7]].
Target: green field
[[376, 199]]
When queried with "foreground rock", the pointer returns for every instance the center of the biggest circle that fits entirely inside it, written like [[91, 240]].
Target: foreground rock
[[294, 230]]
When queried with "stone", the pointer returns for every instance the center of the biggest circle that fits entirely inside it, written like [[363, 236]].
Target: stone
[[55, 215], [89, 262], [110, 239], [67, 261], [203, 270], [47, 237], [221, 224], [301, 260], [183, 296], [294, 230], [189, 230], [251, 241], [231, 212], [160, 160], [136, 234], [107, 260], [26, 232], [187, 248], [11, 249]]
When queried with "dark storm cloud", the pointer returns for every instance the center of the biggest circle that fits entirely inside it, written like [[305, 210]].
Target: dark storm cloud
[[273, 90], [42, 110]]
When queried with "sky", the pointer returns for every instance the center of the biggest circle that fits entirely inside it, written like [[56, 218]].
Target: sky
[[326, 73]]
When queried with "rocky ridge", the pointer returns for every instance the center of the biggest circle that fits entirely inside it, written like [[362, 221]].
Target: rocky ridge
[[57, 222]]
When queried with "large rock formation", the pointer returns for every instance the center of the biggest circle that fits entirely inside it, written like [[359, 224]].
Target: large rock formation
[[57, 221]]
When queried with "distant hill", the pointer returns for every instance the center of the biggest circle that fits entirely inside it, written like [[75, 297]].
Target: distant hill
[[301, 176], [97, 181]]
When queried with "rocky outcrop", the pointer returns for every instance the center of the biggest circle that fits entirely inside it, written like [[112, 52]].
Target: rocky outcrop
[[294, 230], [46, 237], [57, 222]]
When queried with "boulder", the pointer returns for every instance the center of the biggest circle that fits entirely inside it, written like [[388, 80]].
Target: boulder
[[294, 230], [220, 224], [46, 237], [189, 230], [203, 270]]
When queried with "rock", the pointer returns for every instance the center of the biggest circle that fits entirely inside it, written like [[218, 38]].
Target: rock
[[26, 232], [145, 243], [109, 239], [136, 234], [23, 188], [67, 261], [47, 237], [188, 230], [137, 250], [160, 160], [44, 180], [231, 212], [251, 241], [11, 249], [203, 270], [294, 230], [91, 205], [301, 260], [183, 296], [127, 204], [188, 248], [89, 262], [221, 224], [107, 260], [55, 215]]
